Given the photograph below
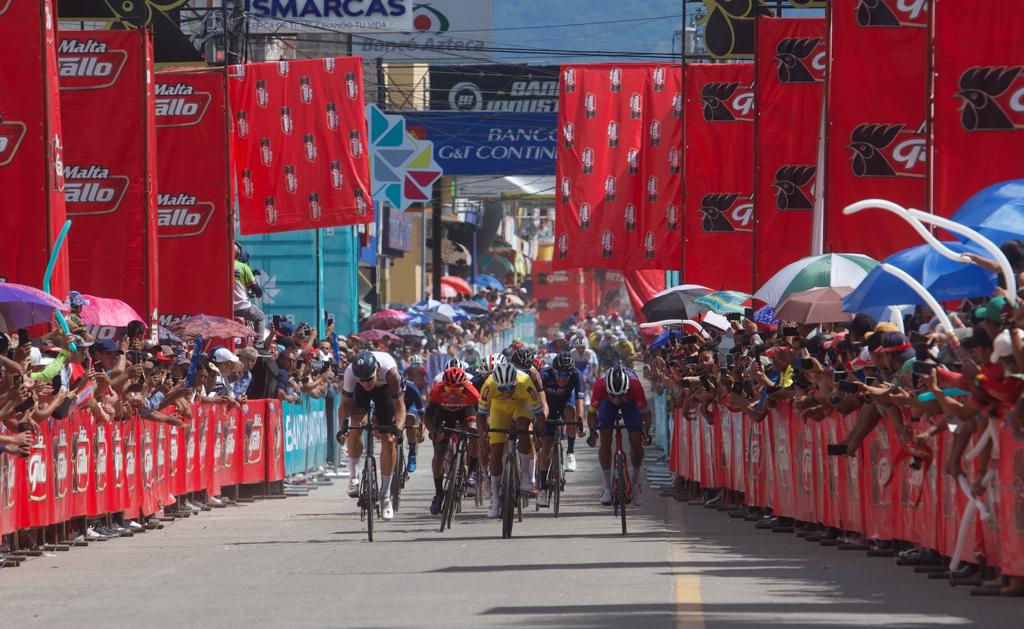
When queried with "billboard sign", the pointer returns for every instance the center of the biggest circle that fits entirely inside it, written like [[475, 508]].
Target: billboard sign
[[440, 29], [351, 16], [493, 87]]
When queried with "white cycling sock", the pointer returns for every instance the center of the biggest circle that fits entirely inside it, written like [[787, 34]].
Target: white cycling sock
[[385, 485], [636, 477], [524, 469], [533, 465], [606, 478], [353, 468], [496, 488]]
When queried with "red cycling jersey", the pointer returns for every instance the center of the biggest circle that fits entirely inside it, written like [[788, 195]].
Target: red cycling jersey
[[454, 398], [635, 393]]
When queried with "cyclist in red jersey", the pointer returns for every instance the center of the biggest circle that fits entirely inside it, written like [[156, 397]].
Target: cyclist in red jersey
[[619, 392], [452, 404]]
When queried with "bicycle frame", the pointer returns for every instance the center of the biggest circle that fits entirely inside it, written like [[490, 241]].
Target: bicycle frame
[[455, 465], [510, 479]]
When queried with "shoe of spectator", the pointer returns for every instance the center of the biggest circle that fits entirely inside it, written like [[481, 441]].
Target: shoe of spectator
[[435, 504], [213, 501], [134, 526], [570, 463], [92, 535]]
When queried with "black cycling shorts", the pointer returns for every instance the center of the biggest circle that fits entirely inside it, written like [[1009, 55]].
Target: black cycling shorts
[[384, 405]]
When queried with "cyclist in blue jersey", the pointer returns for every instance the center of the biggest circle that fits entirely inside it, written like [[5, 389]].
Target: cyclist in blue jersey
[[413, 413], [564, 392], [585, 361]]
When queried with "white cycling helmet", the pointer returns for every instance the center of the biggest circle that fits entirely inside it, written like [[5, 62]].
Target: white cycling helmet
[[505, 374], [616, 380], [579, 343], [493, 361]]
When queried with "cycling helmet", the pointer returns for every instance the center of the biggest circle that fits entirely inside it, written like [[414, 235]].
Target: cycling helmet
[[523, 358], [454, 377], [453, 363], [539, 363], [364, 366], [505, 374], [564, 362], [416, 361], [493, 361], [559, 336], [579, 343], [616, 381], [469, 346]]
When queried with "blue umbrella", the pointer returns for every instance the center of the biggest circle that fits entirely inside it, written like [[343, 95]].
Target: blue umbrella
[[945, 279], [997, 212], [489, 281], [417, 318], [663, 339]]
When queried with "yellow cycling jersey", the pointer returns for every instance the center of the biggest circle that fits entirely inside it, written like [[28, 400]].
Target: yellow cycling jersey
[[524, 401]]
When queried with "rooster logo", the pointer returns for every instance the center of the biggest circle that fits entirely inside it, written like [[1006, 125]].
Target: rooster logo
[[729, 27], [790, 182], [715, 97], [868, 142], [793, 53], [981, 89], [880, 13], [714, 209]]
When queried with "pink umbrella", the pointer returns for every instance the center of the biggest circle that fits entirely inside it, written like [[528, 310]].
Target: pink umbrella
[[107, 311], [457, 284], [378, 335], [209, 327], [387, 319]]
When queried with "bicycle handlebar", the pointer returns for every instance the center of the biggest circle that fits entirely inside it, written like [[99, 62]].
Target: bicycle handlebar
[[389, 429], [456, 431]]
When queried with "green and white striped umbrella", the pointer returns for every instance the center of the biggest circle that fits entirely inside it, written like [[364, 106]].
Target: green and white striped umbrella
[[833, 269]]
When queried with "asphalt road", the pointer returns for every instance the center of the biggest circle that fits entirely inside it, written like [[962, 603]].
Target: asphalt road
[[305, 562]]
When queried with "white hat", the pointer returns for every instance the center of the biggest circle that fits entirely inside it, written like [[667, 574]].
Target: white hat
[[1002, 345], [224, 355]]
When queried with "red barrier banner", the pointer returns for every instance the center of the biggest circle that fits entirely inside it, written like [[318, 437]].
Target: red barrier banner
[[110, 163], [641, 287], [274, 450], [788, 100], [618, 167], [719, 191], [1010, 489], [979, 100], [300, 145], [558, 293], [877, 122], [31, 145], [194, 228]]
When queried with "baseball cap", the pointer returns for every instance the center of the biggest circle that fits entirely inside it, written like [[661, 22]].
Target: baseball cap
[[75, 299], [286, 327], [993, 310], [224, 355], [1002, 345], [106, 345]]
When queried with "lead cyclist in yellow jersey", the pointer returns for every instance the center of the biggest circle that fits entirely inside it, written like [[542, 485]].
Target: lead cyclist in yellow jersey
[[508, 395]]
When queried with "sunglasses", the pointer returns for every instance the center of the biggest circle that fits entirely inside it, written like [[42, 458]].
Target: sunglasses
[[370, 379], [508, 388], [615, 396]]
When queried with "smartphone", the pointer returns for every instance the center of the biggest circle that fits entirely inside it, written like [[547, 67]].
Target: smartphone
[[839, 376], [836, 449], [705, 382], [691, 360], [737, 388], [733, 316], [848, 387], [802, 363], [748, 313], [790, 331], [691, 339], [869, 380], [922, 368], [24, 426], [330, 322], [276, 321], [23, 337], [730, 360]]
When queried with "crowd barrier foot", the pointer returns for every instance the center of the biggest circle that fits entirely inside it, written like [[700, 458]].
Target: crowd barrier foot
[[782, 529], [929, 569], [738, 513], [881, 552], [813, 537], [848, 546], [56, 548]]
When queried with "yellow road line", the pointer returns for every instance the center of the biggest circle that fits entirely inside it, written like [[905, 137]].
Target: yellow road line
[[686, 587]]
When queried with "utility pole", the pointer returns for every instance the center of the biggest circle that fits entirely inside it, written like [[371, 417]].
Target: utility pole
[[436, 227], [383, 218]]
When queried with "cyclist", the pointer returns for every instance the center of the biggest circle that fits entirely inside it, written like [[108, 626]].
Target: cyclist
[[416, 373], [478, 380], [413, 413], [564, 392], [508, 396], [372, 378], [618, 392], [453, 363], [452, 405], [524, 360], [585, 360]]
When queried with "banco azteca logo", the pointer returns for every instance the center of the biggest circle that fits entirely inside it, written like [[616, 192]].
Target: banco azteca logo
[[726, 212], [12, 133], [888, 150], [88, 64], [179, 105], [892, 13], [181, 215], [428, 19], [794, 187], [993, 98], [727, 102], [801, 60]]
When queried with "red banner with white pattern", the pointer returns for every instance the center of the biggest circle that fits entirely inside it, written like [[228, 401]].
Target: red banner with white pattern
[[618, 167], [30, 145], [790, 79], [979, 100], [877, 87], [194, 229], [107, 112], [558, 293], [719, 191], [300, 145]]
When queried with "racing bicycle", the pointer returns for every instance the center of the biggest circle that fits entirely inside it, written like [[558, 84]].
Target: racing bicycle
[[556, 466], [455, 478], [369, 490], [621, 487], [511, 501]]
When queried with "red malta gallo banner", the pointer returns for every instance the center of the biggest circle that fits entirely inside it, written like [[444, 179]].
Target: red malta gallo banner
[[877, 133], [30, 145], [558, 294], [790, 75], [719, 192], [618, 167], [110, 163], [193, 226], [979, 101], [300, 145]]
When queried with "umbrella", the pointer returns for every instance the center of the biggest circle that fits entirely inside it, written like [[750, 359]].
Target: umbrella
[[766, 316], [833, 269], [997, 212], [489, 281], [387, 319], [409, 333], [447, 292], [107, 311], [496, 265], [817, 305], [166, 335], [674, 303], [377, 335], [437, 316], [426, 304], [513, 300], [417, 318], [944, 278], [454, 313], [397, 305], [204, 326], [726, 301], [458, 284], [472, 307], [22, 306]]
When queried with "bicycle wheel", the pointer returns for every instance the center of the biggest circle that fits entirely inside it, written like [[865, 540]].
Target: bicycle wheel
[[396, 479], [509, 493], [448, 500], [369, 494], [459, 477], [555, 480], [620, 488]]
